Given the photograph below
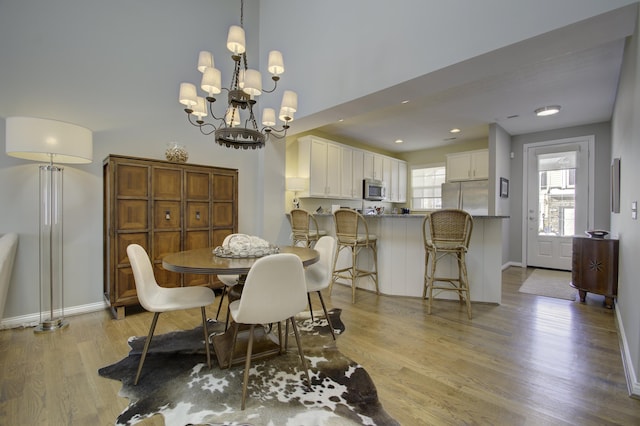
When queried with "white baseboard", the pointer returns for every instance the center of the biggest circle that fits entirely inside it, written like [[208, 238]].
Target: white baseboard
[[31, 320], [633, 385], [511, 263]]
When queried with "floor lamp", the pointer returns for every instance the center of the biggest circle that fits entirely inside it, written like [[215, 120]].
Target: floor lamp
[[296, 185], [51, 141]]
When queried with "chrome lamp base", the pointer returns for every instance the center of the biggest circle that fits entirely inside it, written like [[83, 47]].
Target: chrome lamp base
[[51, 325]]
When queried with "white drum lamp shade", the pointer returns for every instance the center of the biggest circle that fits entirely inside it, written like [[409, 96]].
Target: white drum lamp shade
[[39, 139], [296, 184]]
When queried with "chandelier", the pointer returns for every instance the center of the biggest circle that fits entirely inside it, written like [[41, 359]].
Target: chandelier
[[238, 126]]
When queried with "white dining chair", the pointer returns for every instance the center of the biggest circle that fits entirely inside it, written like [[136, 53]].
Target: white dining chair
[[274, 291], [318, 276], [157, 299], [228, 281]]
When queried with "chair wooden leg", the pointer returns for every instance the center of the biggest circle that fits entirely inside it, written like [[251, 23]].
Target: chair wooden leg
[[286, 335], [247, 366], [375, 266], [426, 274], [310, 307], [326, 314], [300, 352], [282, 349], [431, 281], [354, 273], [146, 345], [465, 276], [224, 291], [206, 336], [333, 270]]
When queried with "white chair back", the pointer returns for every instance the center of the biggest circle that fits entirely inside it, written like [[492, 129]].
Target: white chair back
[[146, 285], [273, 291], [318, 276]]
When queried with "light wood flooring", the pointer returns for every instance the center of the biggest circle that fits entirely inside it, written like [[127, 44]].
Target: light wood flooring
[[529, 361]]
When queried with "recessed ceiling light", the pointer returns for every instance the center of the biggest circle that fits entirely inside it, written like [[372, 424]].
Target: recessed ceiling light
[[341, 120], [455, 130], [548, 110], [399, 141], [406, 101]]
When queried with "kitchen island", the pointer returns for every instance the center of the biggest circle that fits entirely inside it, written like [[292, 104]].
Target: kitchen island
[[401, 256]]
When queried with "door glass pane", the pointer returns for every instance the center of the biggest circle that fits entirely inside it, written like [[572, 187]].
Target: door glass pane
[[556, 193]]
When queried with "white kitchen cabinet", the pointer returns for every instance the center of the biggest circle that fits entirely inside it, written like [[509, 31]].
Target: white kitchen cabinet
[[471, 165], [386, 177], [357, 173], [373, 166], [337, 171], [346, 185], [320, 161], [402, 182], [397, 186]]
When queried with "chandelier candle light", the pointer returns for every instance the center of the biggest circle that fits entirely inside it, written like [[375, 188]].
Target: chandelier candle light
[[231, 130]]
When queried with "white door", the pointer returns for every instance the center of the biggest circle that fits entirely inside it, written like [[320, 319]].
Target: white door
[[557, 200]]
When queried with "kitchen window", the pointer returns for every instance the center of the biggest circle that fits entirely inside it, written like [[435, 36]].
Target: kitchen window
[[426, 186]]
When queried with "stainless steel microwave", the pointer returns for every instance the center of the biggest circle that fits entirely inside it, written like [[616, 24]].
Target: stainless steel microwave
[[373, 190]]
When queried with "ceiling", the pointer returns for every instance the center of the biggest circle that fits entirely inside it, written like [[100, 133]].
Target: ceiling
[[576, 67]]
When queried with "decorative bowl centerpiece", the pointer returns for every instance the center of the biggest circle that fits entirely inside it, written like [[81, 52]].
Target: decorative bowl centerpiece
[[597, 233], [176, 153], [242, 246]]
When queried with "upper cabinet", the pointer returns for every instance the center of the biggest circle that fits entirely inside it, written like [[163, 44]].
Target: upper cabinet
[[373, 166], [320, 161], [471, 165], [337, 171]]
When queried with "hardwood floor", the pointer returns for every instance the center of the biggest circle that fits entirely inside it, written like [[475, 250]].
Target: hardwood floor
[[529, 361]]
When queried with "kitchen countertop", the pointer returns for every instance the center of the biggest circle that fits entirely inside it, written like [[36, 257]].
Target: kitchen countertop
[[410, 216]]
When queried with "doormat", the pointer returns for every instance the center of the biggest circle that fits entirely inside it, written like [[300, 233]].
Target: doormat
[[177, 384], [549, 283]]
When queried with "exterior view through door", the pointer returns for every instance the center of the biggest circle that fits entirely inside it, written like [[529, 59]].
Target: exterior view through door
[[559, 177]]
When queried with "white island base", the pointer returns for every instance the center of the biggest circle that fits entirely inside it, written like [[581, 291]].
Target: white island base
[[401, 258]]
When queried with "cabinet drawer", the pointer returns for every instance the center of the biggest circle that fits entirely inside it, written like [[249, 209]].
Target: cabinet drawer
[[165, 243], [132, 215], [167, 183], [166, 215], [132, 181], [224, 188], [197, 186], [223, 215], [124, 239], [197, 215]]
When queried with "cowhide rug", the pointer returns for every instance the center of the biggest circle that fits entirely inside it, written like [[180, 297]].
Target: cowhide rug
[[177, 384]]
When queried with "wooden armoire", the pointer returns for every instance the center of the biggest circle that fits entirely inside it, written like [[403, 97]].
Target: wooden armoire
[[165, 207]]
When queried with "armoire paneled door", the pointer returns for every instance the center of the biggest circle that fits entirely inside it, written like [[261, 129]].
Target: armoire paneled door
[[165, 207]]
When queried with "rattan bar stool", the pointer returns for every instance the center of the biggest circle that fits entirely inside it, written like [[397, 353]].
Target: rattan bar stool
[[446, 233], [304, 228], [348, 222]]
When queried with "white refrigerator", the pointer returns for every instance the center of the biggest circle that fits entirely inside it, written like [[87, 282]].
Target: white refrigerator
[[471, 196]]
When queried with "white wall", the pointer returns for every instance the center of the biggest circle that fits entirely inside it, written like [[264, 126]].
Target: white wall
[[626, 146], [114, 67]]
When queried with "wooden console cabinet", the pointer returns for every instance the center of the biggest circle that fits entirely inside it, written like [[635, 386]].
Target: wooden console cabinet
[[595, 267], [165, 207]]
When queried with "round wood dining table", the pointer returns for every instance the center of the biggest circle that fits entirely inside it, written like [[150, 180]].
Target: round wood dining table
[[203, 261]]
